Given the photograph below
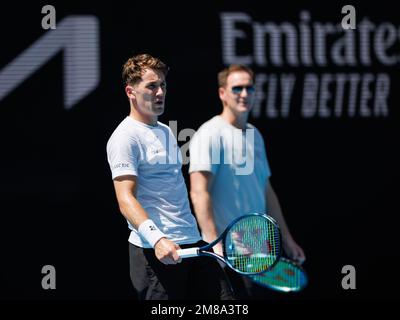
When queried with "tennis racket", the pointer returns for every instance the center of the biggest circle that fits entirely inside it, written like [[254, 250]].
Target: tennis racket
[[251, 244], [285, 276]]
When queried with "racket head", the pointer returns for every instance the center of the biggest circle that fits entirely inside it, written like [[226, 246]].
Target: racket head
[[285, 276], [252, 244]]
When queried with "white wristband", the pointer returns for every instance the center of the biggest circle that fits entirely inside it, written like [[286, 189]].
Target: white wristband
[[150, 232]]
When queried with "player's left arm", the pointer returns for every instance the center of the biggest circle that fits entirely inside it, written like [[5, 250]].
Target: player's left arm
[[292, 249]]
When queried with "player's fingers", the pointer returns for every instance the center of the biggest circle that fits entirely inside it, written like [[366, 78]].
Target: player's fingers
[[168, 260], [300, 260], [165, 261], [176, 258], [300, 257]]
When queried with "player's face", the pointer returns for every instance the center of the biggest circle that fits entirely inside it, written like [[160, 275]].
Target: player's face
[[150, 93], [238, 94]]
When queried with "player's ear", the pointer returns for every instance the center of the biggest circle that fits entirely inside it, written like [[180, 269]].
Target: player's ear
[[221, 92], [130, 92]]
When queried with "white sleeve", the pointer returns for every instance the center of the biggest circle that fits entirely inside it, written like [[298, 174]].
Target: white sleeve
[[205, 154], [123, 156]]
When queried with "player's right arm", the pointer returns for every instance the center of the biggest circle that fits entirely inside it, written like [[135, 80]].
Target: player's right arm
[[125, 189]]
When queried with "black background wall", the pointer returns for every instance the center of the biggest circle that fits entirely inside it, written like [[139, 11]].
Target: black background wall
[[336, 174]]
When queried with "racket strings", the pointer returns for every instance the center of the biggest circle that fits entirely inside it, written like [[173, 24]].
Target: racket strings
[[254, 244]]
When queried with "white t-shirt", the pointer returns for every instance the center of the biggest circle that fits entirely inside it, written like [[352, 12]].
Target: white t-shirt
[[238, 162], [152, 154]]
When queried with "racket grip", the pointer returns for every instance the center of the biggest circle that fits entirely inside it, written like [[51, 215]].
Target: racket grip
[[188, 253]]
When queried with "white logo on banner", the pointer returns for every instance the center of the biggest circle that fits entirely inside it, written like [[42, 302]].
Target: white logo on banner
[[309, 48], [349, 280], [49, 20], [49, 280], [349, 20], [78, 37]]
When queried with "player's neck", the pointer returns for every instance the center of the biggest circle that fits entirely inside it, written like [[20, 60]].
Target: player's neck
[[146, 119], [237, 120]]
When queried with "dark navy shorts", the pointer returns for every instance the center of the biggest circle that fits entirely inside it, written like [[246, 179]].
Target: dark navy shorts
[[193, 278]]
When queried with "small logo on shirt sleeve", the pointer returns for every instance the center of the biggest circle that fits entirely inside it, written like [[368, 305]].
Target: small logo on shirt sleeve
[[120, 165]]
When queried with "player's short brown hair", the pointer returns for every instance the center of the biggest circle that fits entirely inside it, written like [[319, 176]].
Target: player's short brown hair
[[136, 66], [223, 75]]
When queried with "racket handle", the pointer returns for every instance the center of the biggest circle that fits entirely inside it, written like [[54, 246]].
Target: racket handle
[[188, 253]]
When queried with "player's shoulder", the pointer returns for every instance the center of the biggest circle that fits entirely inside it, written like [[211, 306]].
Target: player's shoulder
[[125, 131], [212, 125], [253, 127], [259, 139], [250, 126]]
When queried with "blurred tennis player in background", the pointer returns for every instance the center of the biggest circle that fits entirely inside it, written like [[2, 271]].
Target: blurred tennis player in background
[[146, 163], [229, 172]]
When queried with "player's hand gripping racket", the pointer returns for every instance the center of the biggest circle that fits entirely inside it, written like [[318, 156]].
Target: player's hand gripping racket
[[285, 276], [251, 244]]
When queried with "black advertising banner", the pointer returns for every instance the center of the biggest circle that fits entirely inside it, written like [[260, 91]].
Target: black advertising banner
[[327, 94]]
